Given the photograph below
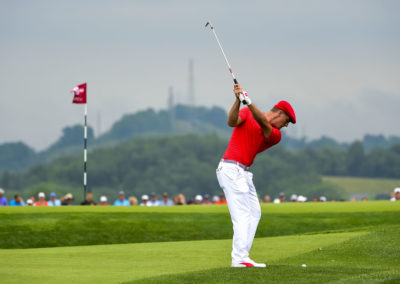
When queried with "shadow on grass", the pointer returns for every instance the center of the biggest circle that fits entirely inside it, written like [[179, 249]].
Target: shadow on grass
[[271, 274]]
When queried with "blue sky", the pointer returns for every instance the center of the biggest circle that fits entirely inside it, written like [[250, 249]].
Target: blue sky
[[337, 62]]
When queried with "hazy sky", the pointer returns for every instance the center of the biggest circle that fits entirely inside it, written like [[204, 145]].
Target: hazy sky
[[337, 62]]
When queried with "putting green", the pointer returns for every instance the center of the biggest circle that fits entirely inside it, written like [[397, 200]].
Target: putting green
[[118, 263]]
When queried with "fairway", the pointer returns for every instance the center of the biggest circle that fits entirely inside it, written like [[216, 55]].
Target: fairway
[[339, 243], [370, 187], [114, 263]]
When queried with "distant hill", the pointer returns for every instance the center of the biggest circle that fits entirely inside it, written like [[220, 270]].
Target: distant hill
[[147, 123], [16, 156], [179, 120]]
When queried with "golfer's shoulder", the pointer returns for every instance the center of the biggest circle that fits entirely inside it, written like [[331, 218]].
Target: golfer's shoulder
[[274, 137]]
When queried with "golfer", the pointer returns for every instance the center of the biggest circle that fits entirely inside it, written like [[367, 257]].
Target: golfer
[[254, 132]]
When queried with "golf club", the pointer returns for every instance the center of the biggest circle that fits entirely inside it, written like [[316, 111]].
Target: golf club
[[223, 53]]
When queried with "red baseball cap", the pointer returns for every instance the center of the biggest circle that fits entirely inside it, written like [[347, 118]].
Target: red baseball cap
[[287, 108]]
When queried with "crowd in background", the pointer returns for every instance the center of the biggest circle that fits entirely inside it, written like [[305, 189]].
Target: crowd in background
[[151, 200]]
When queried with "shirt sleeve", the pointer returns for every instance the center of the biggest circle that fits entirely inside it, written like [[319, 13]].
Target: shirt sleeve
[[244, 113], [274, 137]]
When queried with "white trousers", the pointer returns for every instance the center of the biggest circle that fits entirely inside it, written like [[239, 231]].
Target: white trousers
[[243, 205]]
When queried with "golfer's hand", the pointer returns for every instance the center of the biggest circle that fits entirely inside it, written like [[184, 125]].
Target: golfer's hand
[[237, 90], [244, 98], [241, 95]]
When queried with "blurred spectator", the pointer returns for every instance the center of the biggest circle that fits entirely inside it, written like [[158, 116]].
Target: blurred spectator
[[396, 196], [53, 200], [322, 199], [397, 193], [133, 201], [17, 201], [29, 202], [180, 199], [221, 200], [3, 200], [293, 198], [153, 200], [267, 199], [316, 199], [282, 197], [198, 199], [301, 198], [277, 200], [67, 200], [207, 199], [103, 201], [215, 199], [121, 201], [166, 201], [145, 200], [32, 197], [89, 199], [42, 201]]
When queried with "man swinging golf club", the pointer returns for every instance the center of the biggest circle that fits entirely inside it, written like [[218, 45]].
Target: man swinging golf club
[[254, 132]]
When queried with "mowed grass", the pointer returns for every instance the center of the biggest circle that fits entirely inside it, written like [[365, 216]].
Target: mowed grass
[[342, 242], [361, 258], [368, 186], [115, 263]]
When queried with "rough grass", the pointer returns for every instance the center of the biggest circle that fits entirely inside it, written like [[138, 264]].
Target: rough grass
[[75, 226]]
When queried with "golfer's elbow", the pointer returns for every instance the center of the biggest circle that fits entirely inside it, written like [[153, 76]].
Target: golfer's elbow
[[267, 129], [231, 123]]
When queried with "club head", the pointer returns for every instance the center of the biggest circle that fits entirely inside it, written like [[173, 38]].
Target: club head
[[209, 24]]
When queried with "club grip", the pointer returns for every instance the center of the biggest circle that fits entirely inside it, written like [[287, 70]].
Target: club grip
[[235, 81]]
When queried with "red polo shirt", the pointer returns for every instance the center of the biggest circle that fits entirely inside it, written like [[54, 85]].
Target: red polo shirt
[[248, 139]]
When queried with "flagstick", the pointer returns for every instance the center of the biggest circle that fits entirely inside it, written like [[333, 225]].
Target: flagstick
[[85, 156]]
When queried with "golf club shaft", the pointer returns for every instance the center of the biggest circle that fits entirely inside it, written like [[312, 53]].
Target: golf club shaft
[[223, 53]]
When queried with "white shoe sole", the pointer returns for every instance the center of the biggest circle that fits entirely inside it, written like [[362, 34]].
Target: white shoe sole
[[238, 265], [259, 265], [248, 264]]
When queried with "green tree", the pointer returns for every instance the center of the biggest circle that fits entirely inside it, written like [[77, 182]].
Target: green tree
[[355, 158], [16, 156]]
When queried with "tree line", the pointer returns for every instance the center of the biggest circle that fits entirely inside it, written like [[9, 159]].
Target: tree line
[[186, 164], [356, 161], [174, 164]]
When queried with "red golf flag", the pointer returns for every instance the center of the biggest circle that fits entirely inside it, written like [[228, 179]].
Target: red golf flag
[[79, 94]]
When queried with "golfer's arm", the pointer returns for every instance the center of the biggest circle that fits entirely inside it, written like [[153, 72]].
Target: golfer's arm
[[261, 120], [233, 117]]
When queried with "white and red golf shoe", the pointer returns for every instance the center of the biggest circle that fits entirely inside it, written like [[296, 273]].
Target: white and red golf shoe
[[248, 263]]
